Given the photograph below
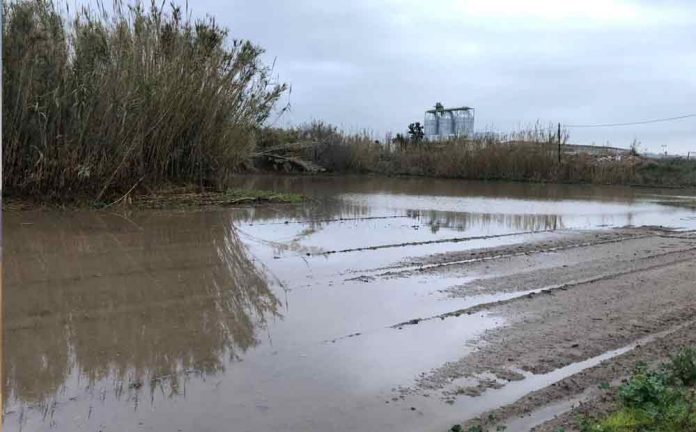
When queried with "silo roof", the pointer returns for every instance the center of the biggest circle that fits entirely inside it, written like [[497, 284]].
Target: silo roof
[[463, 108]]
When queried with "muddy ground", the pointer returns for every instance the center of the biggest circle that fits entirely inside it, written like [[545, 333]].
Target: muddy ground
[[573, 299]]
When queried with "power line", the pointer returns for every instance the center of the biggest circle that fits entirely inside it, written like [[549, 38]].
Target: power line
[[631, 123]]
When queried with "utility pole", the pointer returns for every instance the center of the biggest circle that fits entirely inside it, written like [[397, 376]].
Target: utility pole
[[559, 143]]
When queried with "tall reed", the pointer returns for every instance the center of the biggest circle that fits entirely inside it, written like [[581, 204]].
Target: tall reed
[[97, 101]]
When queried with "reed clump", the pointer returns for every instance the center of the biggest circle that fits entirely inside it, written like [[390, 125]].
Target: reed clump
[[96, 102]]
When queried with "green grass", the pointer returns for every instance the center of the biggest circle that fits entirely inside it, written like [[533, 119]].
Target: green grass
[[655, 400]]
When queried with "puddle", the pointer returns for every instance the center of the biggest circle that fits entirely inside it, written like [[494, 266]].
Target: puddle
[[544, 414], [469, 407], [199, 320]]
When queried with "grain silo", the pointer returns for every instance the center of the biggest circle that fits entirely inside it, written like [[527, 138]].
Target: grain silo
[[448, 123]]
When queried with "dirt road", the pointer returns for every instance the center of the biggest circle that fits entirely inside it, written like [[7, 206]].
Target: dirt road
[[570, 299]]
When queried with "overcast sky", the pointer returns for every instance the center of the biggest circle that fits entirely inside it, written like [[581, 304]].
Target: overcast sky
[[378, 65]]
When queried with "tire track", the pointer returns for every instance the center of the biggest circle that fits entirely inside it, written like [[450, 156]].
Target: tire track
[[423, 267], [427, 242], [556, 287]]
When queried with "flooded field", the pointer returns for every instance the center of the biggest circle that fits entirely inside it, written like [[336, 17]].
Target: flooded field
[[377, 305]]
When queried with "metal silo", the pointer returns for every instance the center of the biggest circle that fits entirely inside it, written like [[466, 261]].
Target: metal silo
[[445, 123], [430, 124], [464, 122]]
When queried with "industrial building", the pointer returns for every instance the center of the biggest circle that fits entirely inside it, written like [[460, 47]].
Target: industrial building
[[447, 123]]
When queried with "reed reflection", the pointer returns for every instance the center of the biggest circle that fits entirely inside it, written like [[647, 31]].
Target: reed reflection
[[135, 299]]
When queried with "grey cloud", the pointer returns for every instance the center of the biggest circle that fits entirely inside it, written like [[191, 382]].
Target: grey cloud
[[379, 65]]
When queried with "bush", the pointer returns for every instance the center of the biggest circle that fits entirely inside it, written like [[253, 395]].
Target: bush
[[646, 389], [662, 400], [109, 99], [682, 367]]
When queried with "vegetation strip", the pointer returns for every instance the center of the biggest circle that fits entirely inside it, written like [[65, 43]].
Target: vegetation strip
[[214, 199], [527, 156]]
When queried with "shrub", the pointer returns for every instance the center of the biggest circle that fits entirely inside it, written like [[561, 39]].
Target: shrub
[[682, 367], [660, 400], [646, 389]]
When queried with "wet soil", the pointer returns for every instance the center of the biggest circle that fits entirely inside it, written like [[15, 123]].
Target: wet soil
[[646, 288], [583, 318], [590, 393]]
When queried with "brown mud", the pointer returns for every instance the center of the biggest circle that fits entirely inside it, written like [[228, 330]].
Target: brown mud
[[646, 287]]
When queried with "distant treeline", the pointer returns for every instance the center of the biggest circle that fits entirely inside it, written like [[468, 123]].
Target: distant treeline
[[530, 155]]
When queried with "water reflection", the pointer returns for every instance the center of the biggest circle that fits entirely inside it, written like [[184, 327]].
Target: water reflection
[[156, 294], [312, 214], [467, 221], [478, 208], [329, 186], [133, 299]]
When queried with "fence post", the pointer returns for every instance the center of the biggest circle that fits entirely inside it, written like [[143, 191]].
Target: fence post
[[559, 143]]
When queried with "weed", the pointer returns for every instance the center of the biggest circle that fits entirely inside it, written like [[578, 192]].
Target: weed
[[646, 389], [660, 400], [683, 367]]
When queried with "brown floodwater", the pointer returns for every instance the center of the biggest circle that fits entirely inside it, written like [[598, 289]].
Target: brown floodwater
[[260, 318]]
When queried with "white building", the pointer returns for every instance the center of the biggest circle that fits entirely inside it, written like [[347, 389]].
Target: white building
[[448, 123]]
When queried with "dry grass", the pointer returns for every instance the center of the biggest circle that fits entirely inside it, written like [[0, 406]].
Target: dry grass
[[529, 155], [210, 199], [95, 105], [326, 146]]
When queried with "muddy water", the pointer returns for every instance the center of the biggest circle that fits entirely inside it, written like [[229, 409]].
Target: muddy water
[[267, 318]]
